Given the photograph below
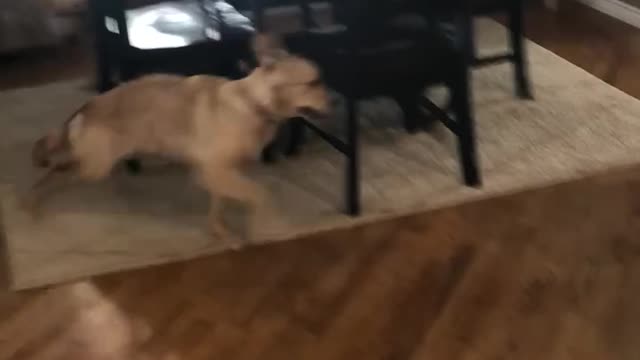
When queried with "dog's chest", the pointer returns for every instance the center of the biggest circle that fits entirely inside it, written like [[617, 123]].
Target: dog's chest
[[255, 140]]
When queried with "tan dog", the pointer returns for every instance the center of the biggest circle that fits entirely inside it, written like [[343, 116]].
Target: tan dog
[[215, 125]]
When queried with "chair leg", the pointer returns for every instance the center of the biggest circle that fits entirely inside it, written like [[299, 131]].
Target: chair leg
[[353, 166], [468, 41], [516, 32], [101, 43], [410, 111], [133, 166], [461, 101], [128, 71], [269, 153], [295, 138], [103, 72]]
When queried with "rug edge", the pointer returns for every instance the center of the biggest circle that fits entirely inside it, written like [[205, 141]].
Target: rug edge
[[327, 229]]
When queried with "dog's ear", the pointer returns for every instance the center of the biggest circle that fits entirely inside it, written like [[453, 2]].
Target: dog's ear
[[268, 49]]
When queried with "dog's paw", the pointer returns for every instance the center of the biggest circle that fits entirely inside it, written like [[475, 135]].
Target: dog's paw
[[235, 243], [230, 240], [275, 228]]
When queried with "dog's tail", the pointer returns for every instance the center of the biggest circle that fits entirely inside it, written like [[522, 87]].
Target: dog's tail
[[54, 149]]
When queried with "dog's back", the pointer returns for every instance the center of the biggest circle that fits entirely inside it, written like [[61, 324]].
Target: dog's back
[[153, 114], [217, 125]]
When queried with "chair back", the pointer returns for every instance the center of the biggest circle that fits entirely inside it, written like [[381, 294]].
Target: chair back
[[259, 8], [366, 19], [110, 22]]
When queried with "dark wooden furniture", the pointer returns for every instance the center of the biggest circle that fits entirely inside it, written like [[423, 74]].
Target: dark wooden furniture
[[456, 17], [188, 47], [386, 51], [190, 52]]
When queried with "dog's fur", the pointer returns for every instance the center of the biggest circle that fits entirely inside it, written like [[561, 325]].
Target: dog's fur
[[215, 125]]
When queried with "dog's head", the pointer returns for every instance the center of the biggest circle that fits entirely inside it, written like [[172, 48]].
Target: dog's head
[[289, 85]]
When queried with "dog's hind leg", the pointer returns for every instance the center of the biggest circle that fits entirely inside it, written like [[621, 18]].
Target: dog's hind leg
[[54, 180], [63, 176]]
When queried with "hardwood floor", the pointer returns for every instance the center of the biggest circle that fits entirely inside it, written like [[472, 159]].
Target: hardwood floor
[[546, 274], [601, 45]]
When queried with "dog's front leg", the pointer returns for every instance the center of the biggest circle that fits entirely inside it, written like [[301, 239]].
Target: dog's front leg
[[231, 184], [216, 223]]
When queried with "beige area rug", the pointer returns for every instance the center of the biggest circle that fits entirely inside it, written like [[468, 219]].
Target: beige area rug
[[577, 125]]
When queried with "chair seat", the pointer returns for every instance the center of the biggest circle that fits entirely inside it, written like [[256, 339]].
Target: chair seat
[[175, 24], [478, 7], [166, 25], [186, 37], [406, 54]]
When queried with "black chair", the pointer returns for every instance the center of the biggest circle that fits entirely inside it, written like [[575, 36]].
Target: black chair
[[456, 16], [162, 36], [379, 50]]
